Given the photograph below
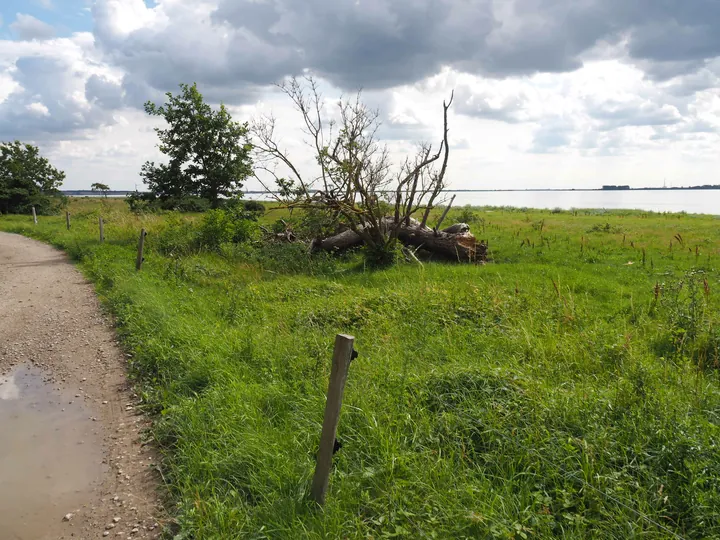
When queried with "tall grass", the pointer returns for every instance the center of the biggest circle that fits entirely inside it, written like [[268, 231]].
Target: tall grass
[[567, 389]]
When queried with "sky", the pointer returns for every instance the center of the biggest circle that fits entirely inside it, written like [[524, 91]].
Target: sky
[[548, 93]]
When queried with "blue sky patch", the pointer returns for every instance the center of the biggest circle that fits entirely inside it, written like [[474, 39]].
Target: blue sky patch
[[65, 16]]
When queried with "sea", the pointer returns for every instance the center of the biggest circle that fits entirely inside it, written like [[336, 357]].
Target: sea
[[692, 201]]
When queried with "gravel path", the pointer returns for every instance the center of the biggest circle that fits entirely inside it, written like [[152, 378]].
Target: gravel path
[[63, 383]]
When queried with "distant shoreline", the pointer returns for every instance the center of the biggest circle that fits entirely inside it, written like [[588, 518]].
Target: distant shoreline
[[89, 193]]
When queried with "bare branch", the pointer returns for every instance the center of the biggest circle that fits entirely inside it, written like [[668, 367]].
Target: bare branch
[[358, 178], [438, 180]]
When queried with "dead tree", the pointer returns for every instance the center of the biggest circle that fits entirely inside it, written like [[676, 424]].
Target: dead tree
[[355, 179]]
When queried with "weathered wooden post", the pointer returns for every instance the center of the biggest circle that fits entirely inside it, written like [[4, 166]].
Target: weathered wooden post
[[67, 220], [141, 244], [102, 231], [342, 356], [34, 216]]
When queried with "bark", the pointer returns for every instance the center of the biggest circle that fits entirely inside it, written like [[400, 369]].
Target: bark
[[339, 242], [455, 242]]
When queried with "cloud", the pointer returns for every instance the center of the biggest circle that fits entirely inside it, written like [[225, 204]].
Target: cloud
[[554, 77], [103, 91], [178, 42], [614, 114], [28, 27], [46, 97], [38, 109], [551, 137], [688, 84], [234, 48], [511, 105]]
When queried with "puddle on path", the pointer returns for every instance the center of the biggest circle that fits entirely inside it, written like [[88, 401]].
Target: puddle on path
[[50, 459]]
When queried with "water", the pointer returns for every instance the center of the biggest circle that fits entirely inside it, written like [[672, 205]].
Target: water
[[705, 201], [50, 459], [693, 201]]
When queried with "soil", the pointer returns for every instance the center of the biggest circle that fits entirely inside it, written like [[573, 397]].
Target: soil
[[74, 460]]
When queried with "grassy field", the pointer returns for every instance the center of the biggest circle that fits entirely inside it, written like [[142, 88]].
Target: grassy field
[[569, 388]]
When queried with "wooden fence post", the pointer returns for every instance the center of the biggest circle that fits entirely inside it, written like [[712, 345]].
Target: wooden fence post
[[102, 231], [141, 244], [342, 356], [67, 220], [34, 216]]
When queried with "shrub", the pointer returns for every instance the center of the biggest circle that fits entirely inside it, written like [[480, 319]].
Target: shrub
[[467, 215], [381, 256], [216, 229], [186, 204], [224, 226], [139, 203], [254, 206], [316, 223], [606, 228], [179, 237]]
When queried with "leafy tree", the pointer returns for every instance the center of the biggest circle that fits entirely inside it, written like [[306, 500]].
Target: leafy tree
[[103, 188], [27, 179], [208, 153]]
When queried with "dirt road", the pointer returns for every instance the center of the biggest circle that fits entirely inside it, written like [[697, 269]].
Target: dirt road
[[72, 462]]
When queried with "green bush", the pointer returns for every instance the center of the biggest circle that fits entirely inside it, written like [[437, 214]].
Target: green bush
[[467, 215], [316, 223], [224, 226], [179, 237], [254, 206]]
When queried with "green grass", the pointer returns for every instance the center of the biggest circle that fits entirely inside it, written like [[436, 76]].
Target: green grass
[[567, 389]]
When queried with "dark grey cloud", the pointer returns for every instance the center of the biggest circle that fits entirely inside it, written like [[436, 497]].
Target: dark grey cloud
[[377, 44], [136, 92], [371, 44], [27, 27], [239, 47], [224, 60], [381, 43], [676, 31]]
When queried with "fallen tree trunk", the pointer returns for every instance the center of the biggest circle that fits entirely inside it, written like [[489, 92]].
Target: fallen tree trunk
[[455, 242]]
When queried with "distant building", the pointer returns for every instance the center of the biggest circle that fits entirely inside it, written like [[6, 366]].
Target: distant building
[[615, 187]]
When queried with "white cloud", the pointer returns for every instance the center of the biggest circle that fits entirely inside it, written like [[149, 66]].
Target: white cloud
[[547, 92], [53, 73], [28, 27], [38, 109]]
